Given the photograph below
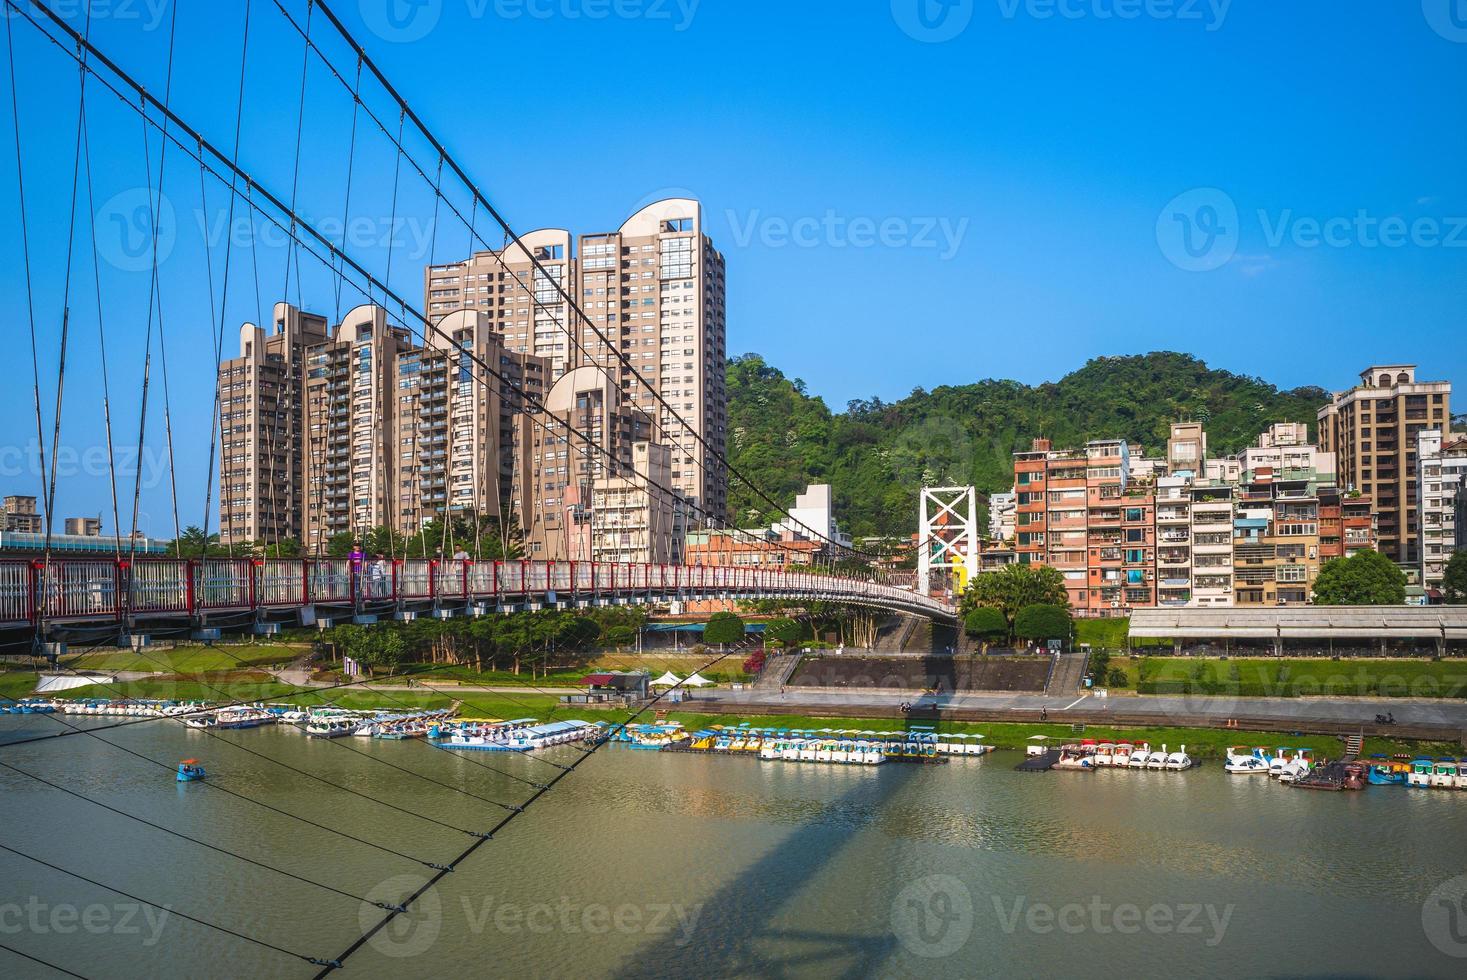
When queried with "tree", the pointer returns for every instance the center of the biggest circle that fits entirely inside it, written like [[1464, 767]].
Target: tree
[[620, 636], [1043, 621], [1366, 578], [1454, 579], [1012, 587], [786, 631], [985, 623], [724, 628], [754, 662]]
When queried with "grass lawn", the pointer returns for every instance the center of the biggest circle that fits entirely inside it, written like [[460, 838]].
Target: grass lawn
[[188, 659], [16, 684], [1103, 634], [1368, 677]]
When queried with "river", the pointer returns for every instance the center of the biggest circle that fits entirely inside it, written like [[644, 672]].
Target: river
[[653, 864]]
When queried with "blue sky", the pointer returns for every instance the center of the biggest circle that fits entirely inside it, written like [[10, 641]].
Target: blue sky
[[1274, 187]]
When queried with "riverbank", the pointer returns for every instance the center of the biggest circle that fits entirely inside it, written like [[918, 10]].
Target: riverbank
[[1203, 742]]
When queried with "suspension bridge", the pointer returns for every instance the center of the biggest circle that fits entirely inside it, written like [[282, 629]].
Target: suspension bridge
[[66, 597], [122, 87]]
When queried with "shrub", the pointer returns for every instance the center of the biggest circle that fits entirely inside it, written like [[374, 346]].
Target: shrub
[[985, 623], [1043, 622], [723, 627]]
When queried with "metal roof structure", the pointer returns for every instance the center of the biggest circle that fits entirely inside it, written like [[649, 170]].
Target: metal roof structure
[[1303, 622]]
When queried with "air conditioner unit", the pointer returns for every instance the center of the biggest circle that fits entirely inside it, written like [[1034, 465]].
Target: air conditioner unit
[[1115, 603]]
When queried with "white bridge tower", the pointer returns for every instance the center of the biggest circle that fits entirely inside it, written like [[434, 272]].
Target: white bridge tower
[[948, 537]]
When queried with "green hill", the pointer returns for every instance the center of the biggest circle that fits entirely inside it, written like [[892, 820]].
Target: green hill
[[875, 454]]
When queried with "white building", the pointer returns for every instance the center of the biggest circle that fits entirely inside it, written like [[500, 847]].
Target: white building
[[1001, 510], [1441, 473], [812, 518]]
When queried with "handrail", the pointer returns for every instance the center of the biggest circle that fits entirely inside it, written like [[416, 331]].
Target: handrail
[[66, 589]]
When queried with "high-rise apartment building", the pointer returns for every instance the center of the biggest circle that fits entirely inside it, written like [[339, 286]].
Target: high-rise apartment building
[[1441, 463], [329, 431], [352, 463], [653, 292], [632, 521], [1371, 429], [21, 516], [261, 427]]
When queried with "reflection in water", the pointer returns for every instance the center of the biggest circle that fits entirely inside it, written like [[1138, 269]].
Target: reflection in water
[[730, 867]]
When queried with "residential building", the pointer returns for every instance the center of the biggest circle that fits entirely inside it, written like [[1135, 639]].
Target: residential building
[[1347, 523], [1001, 513], [1372, 430], [555, 493], [813, 518], [1441, 462], [1186, 449], [631, 520], [760, 548], [653, 293], [1284, 452], [21, 515], [84, 527], [261, 428], [1275, 543], [352, 463], [1174, 540], [1212, 544]]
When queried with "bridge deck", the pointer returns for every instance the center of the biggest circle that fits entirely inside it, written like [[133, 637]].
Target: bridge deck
[[39, 594]]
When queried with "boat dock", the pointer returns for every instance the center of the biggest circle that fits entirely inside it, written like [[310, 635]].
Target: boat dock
[[1039, 763]]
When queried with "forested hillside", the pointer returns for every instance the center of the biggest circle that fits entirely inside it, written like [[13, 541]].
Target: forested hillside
[[875, 454]]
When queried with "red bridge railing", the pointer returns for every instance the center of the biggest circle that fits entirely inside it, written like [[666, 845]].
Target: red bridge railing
[[87, 589]]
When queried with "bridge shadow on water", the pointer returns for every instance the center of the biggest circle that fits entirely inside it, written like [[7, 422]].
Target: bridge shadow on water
[[735, 934]]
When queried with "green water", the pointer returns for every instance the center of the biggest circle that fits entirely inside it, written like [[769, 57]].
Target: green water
[[647, 864]]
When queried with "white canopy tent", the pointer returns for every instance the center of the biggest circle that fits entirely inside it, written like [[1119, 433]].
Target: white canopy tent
[[668, 679], [697, 680]]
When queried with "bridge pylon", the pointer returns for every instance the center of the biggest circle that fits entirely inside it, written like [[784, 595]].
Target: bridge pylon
[[948, 536]]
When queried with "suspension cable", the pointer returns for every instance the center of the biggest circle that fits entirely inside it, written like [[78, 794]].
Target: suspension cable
[[169, 909], [182, 836]]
